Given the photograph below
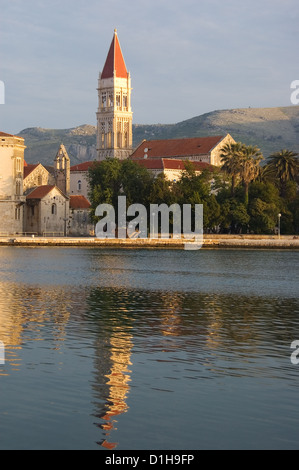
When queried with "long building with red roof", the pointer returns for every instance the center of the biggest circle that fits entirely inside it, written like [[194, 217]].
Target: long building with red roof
[[196, 149]]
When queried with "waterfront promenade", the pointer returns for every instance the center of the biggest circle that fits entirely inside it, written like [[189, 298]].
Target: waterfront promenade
[[210, 241]]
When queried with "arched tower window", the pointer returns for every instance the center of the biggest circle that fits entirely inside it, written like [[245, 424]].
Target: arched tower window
[[18, 188], [119, 135]]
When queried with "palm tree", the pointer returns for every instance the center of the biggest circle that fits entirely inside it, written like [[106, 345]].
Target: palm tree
[[250, 159], [230, 159], [283, 165]]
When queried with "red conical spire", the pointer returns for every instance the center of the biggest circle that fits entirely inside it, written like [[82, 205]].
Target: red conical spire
[[115, 61]]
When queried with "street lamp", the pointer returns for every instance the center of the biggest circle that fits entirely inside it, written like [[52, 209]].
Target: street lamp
[[279, 216]]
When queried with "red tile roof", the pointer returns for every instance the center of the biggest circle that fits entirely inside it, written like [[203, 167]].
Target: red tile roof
[[79, 202], [4, 134], [177, 147], [82, 166], [115, 61], [151, 164], [28, 168], [40, 192]]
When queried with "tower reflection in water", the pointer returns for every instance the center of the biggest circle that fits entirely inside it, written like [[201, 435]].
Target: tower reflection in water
[[109, 309], [118, 383]]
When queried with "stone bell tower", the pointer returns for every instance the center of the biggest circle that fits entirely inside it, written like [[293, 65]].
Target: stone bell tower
[[114, 115], [62, 170]]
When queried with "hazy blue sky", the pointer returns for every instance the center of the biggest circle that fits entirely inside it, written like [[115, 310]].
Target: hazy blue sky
[[186, 57]]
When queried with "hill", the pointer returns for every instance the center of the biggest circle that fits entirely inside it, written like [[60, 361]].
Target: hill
[[271, 129]]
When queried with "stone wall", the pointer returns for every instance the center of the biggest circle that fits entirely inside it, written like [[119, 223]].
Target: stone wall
[[216, 152], [80, 224], [11, 183]]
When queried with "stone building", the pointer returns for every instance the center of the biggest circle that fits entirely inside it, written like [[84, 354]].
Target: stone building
[[172, 169], [46, 211], [78, 179], [62, 170], [47, 189], [37, 175], [114, 115], [34, 199], [80, 224], [12, 198], [196, 149]]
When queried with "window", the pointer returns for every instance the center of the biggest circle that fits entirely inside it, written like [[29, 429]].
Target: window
[[40, 180], [119, 135], [126, 135], [54, 209], [119, 140], [110, 100], [18, 213], [102, 136], [79, 185], [19, 168], [109, 136], [18, 188]]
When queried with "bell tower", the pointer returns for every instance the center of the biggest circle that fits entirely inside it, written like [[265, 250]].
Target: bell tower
[[114, 115], [62, 170]]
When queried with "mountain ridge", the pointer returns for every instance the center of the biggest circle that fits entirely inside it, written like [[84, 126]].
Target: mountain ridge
[[271, 129]]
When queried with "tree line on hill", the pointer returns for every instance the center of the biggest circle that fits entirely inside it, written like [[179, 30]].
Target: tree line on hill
[[241, 196]]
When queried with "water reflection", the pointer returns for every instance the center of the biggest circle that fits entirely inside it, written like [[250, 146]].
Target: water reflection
[[118, 380], [212, 336], [130, 338], [24, 312]]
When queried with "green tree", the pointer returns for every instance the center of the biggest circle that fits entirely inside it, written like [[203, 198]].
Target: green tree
[[250, 159], [284, 166], [105, 183], [136, 182], [113, 177], [230, 159], [234, 217]]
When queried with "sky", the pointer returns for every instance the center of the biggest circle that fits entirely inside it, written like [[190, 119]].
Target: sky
[[186, 57]]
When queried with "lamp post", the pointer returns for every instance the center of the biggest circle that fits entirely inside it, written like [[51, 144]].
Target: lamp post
[[279, 216]]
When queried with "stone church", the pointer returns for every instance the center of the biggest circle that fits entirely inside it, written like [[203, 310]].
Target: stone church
[[35, 199], [47, 190]]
